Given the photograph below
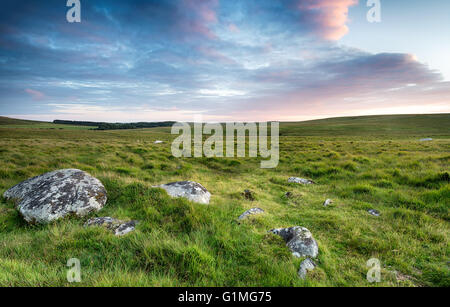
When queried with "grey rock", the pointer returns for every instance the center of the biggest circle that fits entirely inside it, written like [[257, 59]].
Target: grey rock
[[158, 142], [327, 202], [299, 240], [374, 212], [426, 140], [300, 180], [188, 189], [118, 227], [306, 266], [56, 194], [250, 212]]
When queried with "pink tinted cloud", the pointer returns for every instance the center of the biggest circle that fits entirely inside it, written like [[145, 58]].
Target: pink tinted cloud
[[214, 54], [233, 28], [35, 94], [329, 17], [202, 15]]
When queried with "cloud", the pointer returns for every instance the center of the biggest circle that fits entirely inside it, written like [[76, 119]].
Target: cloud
[[328, 18], [167, 59], [35, 94]]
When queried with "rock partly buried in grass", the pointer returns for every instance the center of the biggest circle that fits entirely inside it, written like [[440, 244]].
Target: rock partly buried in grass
[[248, 195], [250, 212], [306, 266], [327, 202], [158, 142], [374, 212], [299, 240], [426, 139], [54, 195], [188, 189], [300, 180], [118, 227]]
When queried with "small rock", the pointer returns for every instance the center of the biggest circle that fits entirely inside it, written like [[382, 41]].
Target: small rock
[[158, 142], [374, 212], [402, 277], [327, 202], [306, 266], [426, 139], [56, 194], [299, 240], [250, 212], [119, 227], [188, 189], [300, 180], [248, 195]]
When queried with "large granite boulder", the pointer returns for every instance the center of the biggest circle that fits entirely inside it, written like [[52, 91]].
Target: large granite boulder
[[54, 195], [118, 227], [188, 189], [299, 240]]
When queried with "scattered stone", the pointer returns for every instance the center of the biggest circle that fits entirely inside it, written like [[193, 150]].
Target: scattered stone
[[426, 139], [300, 180], [119, 227], [158, 142], [299, 240], [56, 194], [306, 266], [250, 212], [374, 212], [249, 195], [188, 189], [327, 202], [403, 277]]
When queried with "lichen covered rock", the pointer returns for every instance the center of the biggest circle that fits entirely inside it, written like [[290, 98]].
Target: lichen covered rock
[[187, 189], [250, 212], [306, 266], [299, 240], [118, 227], [56, 194], [300, 180]]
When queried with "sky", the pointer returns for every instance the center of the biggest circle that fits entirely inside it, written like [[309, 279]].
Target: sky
[[223, 60]]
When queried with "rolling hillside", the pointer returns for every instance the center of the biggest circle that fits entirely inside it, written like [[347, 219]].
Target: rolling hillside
[[361, 164]]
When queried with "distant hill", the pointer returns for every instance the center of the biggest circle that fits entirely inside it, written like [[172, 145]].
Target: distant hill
[[426, 125], [14, 121], [432, 124]]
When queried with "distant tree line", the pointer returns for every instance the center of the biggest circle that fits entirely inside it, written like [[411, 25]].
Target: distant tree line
[[114, 126]]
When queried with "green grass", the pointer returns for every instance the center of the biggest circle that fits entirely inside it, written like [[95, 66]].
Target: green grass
[[6, 122], [380, 165]]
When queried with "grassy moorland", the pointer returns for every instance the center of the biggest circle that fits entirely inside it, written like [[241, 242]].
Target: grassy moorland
[[6, 122], [360, 163]]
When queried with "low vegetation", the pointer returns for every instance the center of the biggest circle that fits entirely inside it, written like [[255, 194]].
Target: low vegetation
[[114, 126], [360, 163]]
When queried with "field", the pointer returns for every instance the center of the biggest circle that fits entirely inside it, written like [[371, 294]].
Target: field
[[6, 122], [361, 163]]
